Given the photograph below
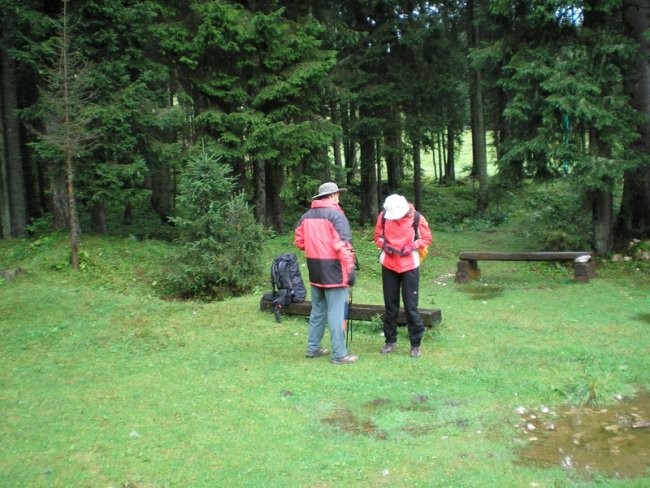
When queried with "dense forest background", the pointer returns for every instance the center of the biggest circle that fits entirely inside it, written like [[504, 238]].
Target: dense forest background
[[108, 106]]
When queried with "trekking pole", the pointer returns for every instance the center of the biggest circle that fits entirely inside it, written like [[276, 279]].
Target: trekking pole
[[348, 331]]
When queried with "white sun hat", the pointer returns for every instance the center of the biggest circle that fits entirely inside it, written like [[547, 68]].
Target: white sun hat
[[395, 207]]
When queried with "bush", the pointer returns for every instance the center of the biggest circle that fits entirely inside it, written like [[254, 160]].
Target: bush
[[558, 220], [220, 240]]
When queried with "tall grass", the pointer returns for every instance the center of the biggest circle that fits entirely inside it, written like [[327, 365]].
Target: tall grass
[[107, 383]]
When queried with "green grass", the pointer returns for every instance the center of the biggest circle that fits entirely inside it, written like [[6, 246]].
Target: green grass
[[105, 383]]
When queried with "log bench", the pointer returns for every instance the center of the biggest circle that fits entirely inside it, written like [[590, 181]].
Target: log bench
[[468, 270], [430, 317]]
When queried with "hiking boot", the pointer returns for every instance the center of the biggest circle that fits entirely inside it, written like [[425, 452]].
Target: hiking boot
[[415, 352], [350, 358], [317, 354], [388, 348]]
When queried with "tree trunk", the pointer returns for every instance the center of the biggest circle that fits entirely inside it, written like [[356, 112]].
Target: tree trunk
[[11, 137], [603, 221], [634, 216], [335, 111], [348, 118], [450, 171], [5, 209], [417, 175], [259, 180], [274, 180], [162, 194], [98, 218], [433, 161], [368, 185], [602, 212], [393, 151], [441, 163], [58, 200], [478, 124], [75, 229]]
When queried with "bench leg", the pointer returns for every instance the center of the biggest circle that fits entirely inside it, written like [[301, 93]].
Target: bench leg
[[583, 272], [467, 270]]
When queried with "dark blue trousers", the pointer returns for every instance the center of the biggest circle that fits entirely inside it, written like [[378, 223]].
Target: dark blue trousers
[[409, 284]]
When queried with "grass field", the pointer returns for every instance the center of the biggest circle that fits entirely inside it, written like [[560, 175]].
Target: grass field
[[107, 384]]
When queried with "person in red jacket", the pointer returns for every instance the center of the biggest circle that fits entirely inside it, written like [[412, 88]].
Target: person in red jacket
[[323, 232], [400, 233]]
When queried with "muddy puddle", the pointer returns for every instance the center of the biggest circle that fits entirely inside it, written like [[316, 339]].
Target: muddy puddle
[[612, 441]]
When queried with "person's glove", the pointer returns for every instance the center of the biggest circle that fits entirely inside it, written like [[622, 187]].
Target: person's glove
[[352, 277], [408, 249], [388, 249]]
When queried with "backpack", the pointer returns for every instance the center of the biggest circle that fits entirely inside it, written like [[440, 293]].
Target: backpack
[[287, 282], [416, 222]]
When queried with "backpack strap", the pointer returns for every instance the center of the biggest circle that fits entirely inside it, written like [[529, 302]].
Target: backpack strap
[[416, 224]]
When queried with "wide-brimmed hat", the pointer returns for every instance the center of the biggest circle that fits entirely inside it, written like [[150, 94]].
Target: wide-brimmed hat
[[395, 207], [328, 189]]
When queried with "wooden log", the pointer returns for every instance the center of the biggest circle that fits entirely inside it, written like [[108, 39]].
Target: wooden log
[[430, 317], [522, 256], [468, 270]]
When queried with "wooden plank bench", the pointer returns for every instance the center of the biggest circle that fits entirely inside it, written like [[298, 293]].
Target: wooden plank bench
[[430, 317], [583, 264]]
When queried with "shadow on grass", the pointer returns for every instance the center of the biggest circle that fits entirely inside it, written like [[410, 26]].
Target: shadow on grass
[[643, 317], [481, 292]]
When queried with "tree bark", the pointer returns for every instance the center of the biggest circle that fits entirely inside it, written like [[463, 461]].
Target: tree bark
[[259, 180], [602, 221], [602, 212], [478, 123], [393, 150], [450, 170], [274, 180], [11, 136], [58, 199], [162, 194], [368, 181], [5, 209], [98, 218], [75, 228], [348, 118], [417, 175], [335, 111], [634, 216]]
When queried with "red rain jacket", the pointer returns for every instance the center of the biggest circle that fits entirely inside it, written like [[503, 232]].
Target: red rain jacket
[[323, 232], [397, 234]]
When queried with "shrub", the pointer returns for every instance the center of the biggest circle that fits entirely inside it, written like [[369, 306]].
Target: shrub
[[558, 219], [220, 240]]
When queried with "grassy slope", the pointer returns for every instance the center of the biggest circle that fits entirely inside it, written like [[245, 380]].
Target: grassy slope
[[105, 384]]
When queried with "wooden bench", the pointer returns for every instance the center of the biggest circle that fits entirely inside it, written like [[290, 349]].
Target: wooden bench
[[430, 317], [468, 270]]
